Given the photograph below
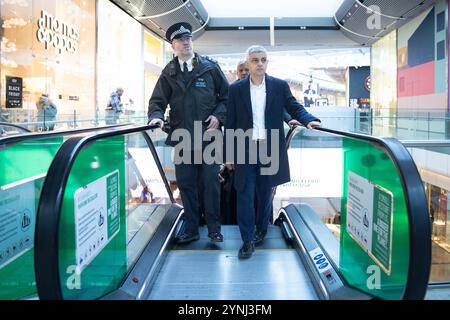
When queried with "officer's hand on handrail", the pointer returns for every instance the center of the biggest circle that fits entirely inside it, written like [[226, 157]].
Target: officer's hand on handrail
[[156, 122], [294, 123]]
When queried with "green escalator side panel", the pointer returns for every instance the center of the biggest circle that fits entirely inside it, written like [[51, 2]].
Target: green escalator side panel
[[379, 267], [23, 167], [92, 231], [27, 159]]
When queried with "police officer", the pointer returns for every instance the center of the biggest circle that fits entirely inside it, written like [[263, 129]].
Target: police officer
[[197, 91]]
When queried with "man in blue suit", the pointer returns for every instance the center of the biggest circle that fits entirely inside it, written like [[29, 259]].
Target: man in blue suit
[[256, 104]]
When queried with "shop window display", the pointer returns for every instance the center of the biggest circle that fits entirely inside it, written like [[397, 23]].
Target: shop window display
[[50, 47]]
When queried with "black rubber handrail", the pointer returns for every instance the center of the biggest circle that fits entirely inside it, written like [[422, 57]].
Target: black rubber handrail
[[6, 141], [46, 256], [416, 203], [7, 124]]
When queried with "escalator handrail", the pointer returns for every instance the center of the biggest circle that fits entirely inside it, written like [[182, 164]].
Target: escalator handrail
[[46, 240], [416, 203], [6, 141], [7, 124], [425, 143]]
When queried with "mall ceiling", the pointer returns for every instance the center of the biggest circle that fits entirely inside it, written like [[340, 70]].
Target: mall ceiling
[[356, 23]]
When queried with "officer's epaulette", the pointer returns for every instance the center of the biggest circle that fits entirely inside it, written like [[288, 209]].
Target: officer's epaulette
[[211, 59]]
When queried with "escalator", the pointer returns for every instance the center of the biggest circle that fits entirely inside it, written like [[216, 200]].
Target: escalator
[[96, 240], [9, 129], [24, 160], [277, 270]]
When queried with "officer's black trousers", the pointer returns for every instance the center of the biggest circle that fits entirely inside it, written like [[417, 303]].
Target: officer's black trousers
[[187, 181]]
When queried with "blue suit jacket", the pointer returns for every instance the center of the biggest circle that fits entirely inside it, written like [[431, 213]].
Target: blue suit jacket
[[240, 116]]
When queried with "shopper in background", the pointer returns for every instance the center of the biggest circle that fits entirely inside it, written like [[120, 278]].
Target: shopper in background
[[241, 70], [146, 195], [114, 107], [46, 115], [310, 96]]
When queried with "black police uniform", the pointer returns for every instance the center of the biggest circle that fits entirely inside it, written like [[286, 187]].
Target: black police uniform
[[193, 97]]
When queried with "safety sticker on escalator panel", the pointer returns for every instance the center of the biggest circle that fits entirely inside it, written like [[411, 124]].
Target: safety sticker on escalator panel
[[97, 217], [369, 218], [17, 218]]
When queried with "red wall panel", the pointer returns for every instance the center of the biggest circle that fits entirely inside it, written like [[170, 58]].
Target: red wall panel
[[416, 81]]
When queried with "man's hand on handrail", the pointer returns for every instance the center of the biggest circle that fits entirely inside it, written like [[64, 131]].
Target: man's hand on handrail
[[313, 124]]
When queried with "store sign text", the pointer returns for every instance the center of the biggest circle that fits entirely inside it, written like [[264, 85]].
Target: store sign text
[[54, 32]]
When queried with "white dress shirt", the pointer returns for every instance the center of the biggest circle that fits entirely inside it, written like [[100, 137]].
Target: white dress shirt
[[258, 99], [189, 64]]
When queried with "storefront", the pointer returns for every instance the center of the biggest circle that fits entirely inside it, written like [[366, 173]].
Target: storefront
[[77, 52], [47, 47], [439, 209]]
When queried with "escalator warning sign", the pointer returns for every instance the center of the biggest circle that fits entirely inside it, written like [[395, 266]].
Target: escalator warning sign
[[97, 217], [370, 218], [17, 219]]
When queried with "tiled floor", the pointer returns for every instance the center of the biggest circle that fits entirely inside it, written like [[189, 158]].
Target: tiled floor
[[440, 272], [440, 267], [438, 293]]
